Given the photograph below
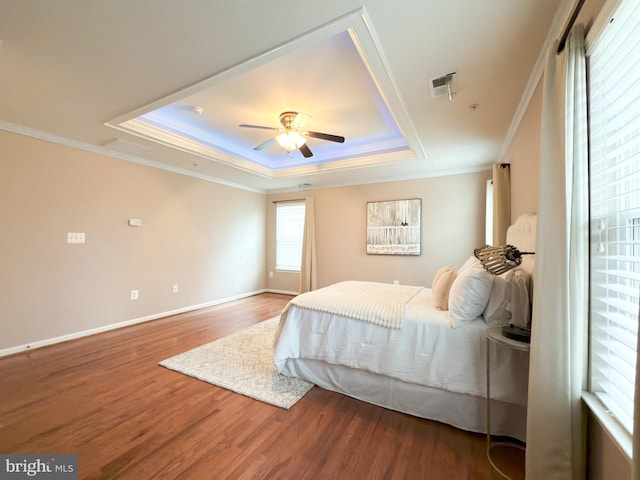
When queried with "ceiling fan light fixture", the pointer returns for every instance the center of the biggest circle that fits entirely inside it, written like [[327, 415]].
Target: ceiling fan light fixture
[[292, 136], [290, 140]]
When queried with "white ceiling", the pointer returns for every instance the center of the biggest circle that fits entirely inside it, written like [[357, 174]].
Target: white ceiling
[[105, 75]]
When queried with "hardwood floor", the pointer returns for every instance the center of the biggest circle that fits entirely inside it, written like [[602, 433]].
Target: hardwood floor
[[106, 399]]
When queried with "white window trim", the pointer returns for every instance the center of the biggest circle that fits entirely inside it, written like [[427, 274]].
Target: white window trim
[[619, 436], [610, 425]]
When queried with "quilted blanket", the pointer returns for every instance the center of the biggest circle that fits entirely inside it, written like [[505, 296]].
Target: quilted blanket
[[378, 303]]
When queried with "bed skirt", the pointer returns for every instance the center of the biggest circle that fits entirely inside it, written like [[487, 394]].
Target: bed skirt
[[463, 411]]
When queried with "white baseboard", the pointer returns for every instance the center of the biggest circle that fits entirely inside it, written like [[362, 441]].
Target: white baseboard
[[284, 292], [113, 326]]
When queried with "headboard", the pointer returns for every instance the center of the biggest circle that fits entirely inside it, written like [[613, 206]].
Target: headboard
[[522, 235]]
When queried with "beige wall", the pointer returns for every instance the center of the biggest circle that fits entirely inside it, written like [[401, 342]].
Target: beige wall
[[605, 460], [523, 154], [452, 226], [207, 238]]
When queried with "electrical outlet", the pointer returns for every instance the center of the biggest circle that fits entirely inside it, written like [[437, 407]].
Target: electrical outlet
[[75, 237], [270, 274], [396, 282], [134, 294], [175, 288]]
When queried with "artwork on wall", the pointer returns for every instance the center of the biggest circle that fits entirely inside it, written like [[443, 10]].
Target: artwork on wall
[[393, 227]]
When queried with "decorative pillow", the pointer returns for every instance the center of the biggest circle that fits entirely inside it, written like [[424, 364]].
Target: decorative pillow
[[439, 273], [441, 287], [469, 293]]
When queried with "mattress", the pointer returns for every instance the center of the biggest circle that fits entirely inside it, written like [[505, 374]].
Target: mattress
[[427, 351]]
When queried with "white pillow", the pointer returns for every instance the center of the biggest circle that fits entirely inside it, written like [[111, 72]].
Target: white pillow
[[472, 262], [441, 287], [498, 309], [509, 301], [520, 299], [469, 293]]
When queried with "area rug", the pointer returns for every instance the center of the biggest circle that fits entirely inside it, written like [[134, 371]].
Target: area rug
[[243, 363]]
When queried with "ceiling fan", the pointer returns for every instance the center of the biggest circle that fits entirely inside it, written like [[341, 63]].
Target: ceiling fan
[[292, 136]]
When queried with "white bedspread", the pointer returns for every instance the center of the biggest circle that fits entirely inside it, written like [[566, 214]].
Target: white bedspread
[[378, 303], [425, 351]]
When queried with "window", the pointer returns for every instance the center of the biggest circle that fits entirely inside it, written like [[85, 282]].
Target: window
[[289, 235], [488, 222], [614, 156]]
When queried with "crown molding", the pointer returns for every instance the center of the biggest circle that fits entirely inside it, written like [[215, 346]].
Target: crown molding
[[68, 142], [563, 13]]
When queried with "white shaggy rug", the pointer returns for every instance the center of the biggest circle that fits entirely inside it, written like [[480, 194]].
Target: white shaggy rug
[[243, 363]]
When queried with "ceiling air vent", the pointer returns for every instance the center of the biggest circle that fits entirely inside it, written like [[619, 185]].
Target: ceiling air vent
[[443, 85]]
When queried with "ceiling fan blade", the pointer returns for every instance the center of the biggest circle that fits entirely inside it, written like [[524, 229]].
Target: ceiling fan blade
[[257, 126], [326, 136], [264, 145], [304, 149]]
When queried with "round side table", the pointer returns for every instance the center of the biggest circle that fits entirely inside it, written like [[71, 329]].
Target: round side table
[[494, 335]]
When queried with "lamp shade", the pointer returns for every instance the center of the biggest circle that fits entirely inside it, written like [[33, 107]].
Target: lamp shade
[[498, 260], [290, 140]]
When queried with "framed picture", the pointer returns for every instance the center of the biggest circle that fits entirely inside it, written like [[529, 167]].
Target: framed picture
[[394, 227]]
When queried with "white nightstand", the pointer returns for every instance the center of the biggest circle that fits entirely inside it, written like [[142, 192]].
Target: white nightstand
[[494, 335]]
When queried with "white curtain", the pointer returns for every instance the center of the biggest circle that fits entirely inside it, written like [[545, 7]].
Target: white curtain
[[555, 421], [308, 270], [635, 465]]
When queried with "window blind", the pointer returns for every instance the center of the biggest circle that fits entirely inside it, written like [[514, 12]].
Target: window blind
[[614, 156], [289, 235]]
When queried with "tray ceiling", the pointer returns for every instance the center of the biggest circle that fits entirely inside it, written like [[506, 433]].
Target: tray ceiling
[[356, 100], [123, 78]]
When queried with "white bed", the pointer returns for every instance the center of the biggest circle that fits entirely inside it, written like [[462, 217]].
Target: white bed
[[425, 368]]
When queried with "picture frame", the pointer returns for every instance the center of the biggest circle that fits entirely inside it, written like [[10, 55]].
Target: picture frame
[[394, 227]]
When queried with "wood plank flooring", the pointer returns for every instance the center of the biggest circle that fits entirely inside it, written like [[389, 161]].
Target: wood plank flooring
[[106, 399]]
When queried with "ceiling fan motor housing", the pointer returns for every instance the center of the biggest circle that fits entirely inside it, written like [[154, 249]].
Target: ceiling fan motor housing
[[293, 120]]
